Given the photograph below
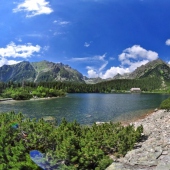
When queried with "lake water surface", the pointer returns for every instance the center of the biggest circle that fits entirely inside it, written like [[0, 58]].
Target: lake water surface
[[88, 108]]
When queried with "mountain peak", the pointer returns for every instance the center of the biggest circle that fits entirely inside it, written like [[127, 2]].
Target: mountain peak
[[39, 71], [153, 68]]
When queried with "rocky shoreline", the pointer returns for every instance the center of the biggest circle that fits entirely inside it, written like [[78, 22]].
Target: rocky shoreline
[[153, 153]]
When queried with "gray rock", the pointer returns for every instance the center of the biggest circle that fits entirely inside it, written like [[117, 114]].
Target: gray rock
[[154, 152]]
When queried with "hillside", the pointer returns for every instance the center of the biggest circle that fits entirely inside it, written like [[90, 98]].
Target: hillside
[[49, 71], [17, 72], [156, 68], [39, 71]]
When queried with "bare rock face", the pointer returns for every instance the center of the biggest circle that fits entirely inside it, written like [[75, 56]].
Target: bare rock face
[[153, 153]]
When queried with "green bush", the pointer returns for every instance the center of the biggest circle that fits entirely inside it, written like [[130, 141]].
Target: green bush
[[27, 93], [165, 104], [78, 147]]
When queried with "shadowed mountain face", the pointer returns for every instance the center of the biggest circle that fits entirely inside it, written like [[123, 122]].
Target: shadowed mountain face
[[39, 71], [17, 72]]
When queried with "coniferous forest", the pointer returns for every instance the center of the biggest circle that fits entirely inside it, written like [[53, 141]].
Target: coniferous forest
[[49, 89]]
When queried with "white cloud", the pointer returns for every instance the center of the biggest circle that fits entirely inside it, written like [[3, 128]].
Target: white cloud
[[137, 52], [94, 59], [61, 22], [21, 51], [92, 73], [103, 66], [167, 42], [35, 35], [19, 39], [114, 71], [130, 59], [111, 58], [96, 64], [34, 7], [64, 23], [4, 61], [86, 44]]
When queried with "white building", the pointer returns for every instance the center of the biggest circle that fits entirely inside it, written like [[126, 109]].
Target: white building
[[135, 90]]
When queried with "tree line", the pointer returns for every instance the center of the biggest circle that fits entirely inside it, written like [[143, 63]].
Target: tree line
[[119, 85]]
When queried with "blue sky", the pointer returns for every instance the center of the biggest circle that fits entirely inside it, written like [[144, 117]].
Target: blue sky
[[99, 38]]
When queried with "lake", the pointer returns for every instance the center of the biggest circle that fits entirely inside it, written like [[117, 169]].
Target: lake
[[89, 108]]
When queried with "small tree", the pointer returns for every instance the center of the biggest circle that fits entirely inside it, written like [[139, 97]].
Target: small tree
[[165, 104]]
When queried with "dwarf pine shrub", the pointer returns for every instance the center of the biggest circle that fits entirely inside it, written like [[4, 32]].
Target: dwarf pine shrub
[[69, 144]]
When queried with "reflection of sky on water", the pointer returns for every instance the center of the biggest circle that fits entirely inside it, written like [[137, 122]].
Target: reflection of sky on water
[[88, 108]]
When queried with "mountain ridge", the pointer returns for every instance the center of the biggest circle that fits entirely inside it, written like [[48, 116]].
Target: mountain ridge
[[48, 71], [39, 71]]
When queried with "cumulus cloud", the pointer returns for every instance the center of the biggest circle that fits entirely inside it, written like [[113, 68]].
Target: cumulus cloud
[[4, 61], [34, 7], [130, 59], [137, 52], [22, 51], [92, 73], [136, 56], [113, 71], [167, 42]]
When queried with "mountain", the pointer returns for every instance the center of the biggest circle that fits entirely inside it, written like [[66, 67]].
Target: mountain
[[119, 76], [39, 71], [17, 72], [49, 71], [93, 80], [154, 68]]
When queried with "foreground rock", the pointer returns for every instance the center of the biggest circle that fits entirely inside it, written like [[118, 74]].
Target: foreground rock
[[153, 153]]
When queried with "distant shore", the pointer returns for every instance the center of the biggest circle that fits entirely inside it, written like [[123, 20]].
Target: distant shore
[[32, 99], [44, 98], [5, 99]]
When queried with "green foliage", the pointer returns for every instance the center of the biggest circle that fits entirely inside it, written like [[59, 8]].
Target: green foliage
[[165, 104], [24, 93], [77, 147], [17, 93]]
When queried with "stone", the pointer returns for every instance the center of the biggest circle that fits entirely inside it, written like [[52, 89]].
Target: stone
[[50, 119], [115, 166], [153, 153]]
